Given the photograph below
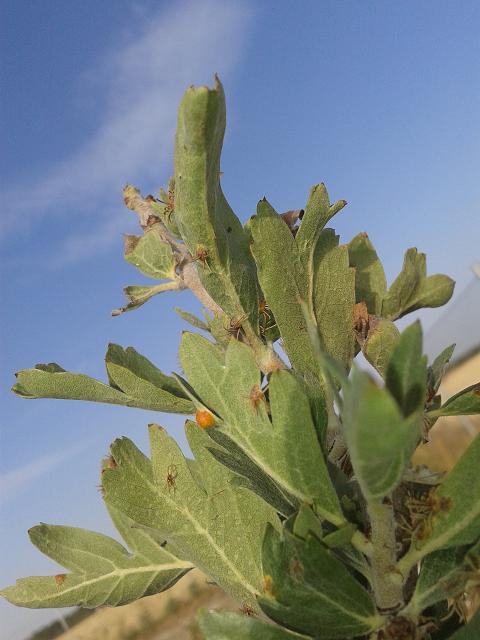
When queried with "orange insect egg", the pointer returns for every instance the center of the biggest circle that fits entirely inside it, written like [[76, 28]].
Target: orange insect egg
[[204, 418], [59, 579]]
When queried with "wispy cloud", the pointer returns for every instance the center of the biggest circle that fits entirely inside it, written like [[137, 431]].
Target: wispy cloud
[[137, 87], [14, 482]]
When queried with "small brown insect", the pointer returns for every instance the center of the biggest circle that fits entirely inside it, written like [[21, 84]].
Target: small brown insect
[[172, 474], [60, 579], [256, 397], [235, 327], [201, 255], [247, 610]]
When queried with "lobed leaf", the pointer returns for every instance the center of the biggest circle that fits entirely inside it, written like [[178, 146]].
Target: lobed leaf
[[286, 447], [200, 522], [151, 255], [135, 382], [102, 571]]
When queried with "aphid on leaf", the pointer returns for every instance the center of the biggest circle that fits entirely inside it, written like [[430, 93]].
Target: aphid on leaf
[[60, 579], [234, 327], [204, 418], [172, 474]]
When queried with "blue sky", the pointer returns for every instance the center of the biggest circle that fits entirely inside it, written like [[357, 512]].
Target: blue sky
[[378, 99]]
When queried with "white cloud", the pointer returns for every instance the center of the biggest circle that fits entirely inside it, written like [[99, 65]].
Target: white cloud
[[15, 481], [137, 87]]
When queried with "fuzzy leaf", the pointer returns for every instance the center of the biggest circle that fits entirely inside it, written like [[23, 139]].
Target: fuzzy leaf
[[251, 475], [333, 302], [287, 447], [136, 383], [382, 337], [202, 213], [442, 576], [138, 295], [102, 571], [191, 319], [436, 371], [226, 625], [457, 522], [151, 255], [138, 378], [406, 375], [370, 281], [413, 290], [379, 439], [306, 523], [283, 281], [310, 591], [463, 403], [201, 522]]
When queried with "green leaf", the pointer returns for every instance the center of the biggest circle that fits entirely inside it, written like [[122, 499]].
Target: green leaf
[[406, 375], [380, 440], [333, 301], [151, 255], [283, 281], [251, 475], [138, 378], [138, 295], [204, 217], [370, 281], [456, 521], [310, 591], [286, 447], [102, 571], [471, 631], [191, 319], [226, 625], [382, 337], [135, 382], [413, 290], [436, 371], [318, 212], [463, 403], [406, 285], [306, 523], [435, 292], [200, 522], [442, 575]]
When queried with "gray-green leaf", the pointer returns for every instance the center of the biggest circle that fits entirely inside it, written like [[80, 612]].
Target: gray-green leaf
[[151, 255], [102, 571], [370, 281], [308, 590], [380, 440], [226, 625], [202, 523]]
